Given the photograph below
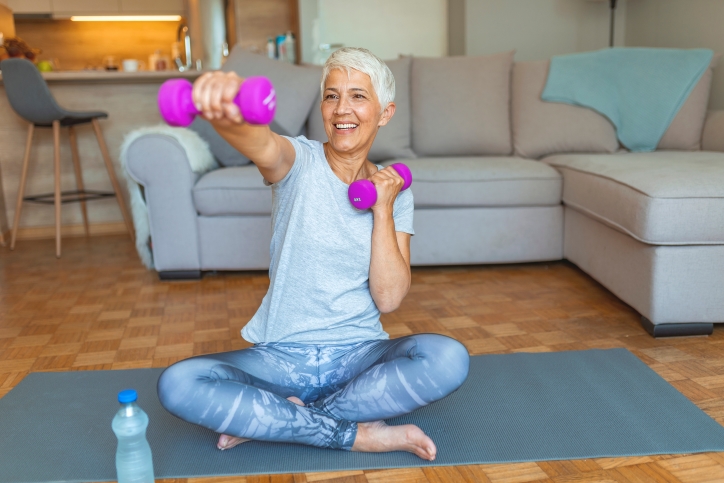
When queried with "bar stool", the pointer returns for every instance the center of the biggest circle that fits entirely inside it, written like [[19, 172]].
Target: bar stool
[[31, 99]]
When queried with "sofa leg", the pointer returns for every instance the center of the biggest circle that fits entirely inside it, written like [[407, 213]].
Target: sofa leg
[[180, 275], [676, 330]]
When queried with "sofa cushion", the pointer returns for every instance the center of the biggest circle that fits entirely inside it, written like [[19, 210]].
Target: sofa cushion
[[685, 131], [238, 190], [541, 128], [483, 181], [712, 138], [460, 105], [660, 198], [393, 140]]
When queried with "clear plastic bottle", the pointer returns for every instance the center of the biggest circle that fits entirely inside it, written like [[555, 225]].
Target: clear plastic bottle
[[133, 455], [290, 48], [271, 48]]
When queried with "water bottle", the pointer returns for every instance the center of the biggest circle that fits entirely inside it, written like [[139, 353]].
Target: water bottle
[[133, 455]]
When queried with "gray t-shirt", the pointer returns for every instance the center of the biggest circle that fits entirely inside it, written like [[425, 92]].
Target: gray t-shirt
[[320, 258]]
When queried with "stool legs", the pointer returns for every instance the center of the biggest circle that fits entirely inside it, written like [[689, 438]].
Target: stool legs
[[21, 188], [114, 181], [78, 175], [58, 201]]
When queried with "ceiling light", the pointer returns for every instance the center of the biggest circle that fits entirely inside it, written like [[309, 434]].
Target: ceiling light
[[125, 18]]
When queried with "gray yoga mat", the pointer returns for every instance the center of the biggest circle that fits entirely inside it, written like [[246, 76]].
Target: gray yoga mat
[[56, 426]]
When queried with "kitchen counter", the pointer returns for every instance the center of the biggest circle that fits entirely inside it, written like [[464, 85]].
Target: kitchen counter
[[101, 76]]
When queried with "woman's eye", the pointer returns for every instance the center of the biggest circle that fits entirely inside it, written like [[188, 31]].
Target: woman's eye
[[329, 96]]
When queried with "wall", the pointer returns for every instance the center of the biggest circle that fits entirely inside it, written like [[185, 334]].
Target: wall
[[78, 45], [680, 24], [539, 29], [387, 28], [257, 20]]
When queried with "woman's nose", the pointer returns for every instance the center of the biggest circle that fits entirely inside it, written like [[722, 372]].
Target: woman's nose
[[343, 106]]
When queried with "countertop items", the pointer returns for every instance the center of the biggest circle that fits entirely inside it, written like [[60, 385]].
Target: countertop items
[[99, 76]]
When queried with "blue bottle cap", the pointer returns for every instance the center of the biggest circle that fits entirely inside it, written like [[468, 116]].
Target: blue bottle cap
[[127, 396]]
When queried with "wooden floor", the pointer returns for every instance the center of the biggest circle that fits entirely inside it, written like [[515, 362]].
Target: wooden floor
[[98, 308]]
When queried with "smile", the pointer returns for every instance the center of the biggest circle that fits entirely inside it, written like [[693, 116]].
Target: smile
[[346, 126]]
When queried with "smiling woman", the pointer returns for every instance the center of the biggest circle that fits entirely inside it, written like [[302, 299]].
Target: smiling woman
[[322, 371]]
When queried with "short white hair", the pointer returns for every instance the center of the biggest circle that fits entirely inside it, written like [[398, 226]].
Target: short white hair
[[368, 63]]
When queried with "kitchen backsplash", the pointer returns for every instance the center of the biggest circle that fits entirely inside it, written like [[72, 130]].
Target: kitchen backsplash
[[82, 45]]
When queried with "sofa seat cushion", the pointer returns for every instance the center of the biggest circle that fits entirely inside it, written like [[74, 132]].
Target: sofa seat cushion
[[659, 198], [237, 190], [483, 181]]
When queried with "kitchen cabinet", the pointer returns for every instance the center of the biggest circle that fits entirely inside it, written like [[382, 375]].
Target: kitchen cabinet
[[85, 7], [159, 7], [29, 6]]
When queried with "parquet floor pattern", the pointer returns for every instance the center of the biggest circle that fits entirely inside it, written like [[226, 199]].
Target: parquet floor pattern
[[98, 308]]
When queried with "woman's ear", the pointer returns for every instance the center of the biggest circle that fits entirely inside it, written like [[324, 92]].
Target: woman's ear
[[387, 114]]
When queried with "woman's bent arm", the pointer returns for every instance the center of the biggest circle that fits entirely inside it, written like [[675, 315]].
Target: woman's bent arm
[[390, 275]]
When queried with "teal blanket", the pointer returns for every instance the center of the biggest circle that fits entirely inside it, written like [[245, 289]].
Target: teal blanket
[[639, 90]]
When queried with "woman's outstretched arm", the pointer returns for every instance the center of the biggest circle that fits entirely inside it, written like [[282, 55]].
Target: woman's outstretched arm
[[213, 95]]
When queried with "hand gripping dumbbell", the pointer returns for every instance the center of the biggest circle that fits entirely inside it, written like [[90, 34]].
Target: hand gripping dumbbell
[[363, 194], [256, 101]]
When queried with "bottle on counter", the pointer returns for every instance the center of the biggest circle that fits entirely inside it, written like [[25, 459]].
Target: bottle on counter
[[224, 52], [289, 46], [158, 61], [133, 454], [281, 49], [271, 48]]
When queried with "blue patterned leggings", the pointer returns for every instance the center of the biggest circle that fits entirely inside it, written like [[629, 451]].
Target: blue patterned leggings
[[243, 393]]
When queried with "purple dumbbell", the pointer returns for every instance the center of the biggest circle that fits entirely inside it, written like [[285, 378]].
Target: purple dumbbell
[[363, 194], [256, 100]]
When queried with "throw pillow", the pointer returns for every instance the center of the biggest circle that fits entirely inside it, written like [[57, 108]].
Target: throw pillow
[[461, 105], [684, 132], [393, 140], [542, 128]]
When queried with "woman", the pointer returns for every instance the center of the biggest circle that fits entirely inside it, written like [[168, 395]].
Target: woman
[[322, 371]]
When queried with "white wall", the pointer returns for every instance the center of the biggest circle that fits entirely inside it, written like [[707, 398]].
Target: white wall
[[539, 29], [386, 27], [680, 24]]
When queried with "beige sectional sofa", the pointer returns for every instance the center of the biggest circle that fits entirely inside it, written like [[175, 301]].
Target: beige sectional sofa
[[499, 177]]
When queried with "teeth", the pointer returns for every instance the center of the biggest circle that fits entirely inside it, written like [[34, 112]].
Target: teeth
[[345, 126]]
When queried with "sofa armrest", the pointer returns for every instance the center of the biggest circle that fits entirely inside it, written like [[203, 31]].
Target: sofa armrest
[[161, 164], [712, 138]]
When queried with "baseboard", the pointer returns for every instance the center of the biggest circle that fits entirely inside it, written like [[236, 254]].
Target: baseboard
[[69, 231]]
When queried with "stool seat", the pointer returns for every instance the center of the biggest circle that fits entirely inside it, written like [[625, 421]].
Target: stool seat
[[74, 118], [31, 99]]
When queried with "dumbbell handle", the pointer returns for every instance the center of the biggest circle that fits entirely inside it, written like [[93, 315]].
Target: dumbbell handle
[[256, 101], [363, 194]]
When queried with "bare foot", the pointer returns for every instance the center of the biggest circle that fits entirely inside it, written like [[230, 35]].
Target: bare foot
[[377, 437], [228, 442]]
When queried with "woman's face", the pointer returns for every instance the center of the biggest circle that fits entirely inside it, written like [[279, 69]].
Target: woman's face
[[351, 111]]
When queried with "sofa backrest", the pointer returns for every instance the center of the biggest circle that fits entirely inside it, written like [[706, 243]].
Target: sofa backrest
[[542, 128], [461, 105]]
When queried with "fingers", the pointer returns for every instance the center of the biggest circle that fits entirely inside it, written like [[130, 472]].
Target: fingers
[[388, 178], [213, 94], [388, 184]]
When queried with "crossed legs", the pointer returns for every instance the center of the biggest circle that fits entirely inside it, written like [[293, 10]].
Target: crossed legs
[[347, 391]]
